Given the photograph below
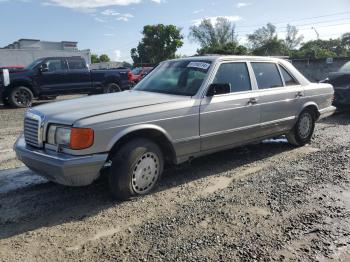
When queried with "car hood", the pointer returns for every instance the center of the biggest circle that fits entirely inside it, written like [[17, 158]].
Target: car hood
[[70, 111]]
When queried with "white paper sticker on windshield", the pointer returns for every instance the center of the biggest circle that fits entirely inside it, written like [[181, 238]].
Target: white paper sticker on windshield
[[6, 76], [201, 65]]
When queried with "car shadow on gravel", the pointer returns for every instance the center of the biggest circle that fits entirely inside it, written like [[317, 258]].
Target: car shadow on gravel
[[49, 204], [339, 118]]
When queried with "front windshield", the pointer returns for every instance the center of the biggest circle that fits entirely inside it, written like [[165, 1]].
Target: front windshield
[[34, 64], [176, 77], [345, 68]]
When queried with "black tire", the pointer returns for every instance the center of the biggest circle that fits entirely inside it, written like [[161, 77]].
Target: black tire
[[21, 97], [112, 88], [303, 130], [6, 101], [136, 169]]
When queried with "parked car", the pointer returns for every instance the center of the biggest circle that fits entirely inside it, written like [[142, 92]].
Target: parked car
[[53, 76], [139, 72], [183, 109], [341, 83], [12, 67]]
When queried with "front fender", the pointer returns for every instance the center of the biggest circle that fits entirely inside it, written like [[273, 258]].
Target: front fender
[[132, 129]]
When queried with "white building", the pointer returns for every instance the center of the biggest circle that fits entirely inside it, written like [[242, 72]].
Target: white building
[[25, 51]]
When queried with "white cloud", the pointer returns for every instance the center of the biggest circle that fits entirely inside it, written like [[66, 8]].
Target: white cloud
[[158, 1], [242, 4], [99, 20], [117, 54], [198, 11], [118, 16], [233, 18], [109, 34], [110, 12], [124, 17], [85, 4]]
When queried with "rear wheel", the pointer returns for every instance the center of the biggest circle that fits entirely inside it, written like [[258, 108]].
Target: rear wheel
[[136, 169], [303, 130], [21, 97], [112, 88]]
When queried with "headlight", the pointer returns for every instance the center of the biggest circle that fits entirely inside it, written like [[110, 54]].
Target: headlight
[[73, 138]]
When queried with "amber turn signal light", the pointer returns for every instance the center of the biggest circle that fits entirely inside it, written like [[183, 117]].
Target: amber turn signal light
[[81, 138]]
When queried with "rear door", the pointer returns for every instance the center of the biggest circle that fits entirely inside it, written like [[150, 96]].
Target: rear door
[[53, 81], [232, 118], [280, 96], [78, 75]]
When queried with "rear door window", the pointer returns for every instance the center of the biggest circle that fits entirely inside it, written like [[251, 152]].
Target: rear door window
[[267, 75], [288, 79], [76, 64], [235, 74]]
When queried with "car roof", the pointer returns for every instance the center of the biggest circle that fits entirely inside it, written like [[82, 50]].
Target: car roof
[[231, 58]]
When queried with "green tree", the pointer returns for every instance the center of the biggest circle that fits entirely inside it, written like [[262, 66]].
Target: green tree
[[264, 41], [230, 48], [159, 42], [322, 49], [94, 59], [262, 36], [293, 40], [211, 36], [345, 39], [104, 58]]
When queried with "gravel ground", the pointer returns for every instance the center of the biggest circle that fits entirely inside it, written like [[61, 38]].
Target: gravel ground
[[262, 202]]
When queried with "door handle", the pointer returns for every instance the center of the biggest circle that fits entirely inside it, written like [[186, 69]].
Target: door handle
[[299, 94], [252, 101]]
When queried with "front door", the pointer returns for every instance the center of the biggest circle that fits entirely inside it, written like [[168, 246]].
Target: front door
[[233, 118], [53, 81]]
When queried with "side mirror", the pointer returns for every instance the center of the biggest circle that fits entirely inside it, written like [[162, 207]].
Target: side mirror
[[44, 68], [218, 89]]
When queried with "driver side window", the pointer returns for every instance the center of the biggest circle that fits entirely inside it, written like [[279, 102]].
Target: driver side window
[[235, 74], [54, 65]]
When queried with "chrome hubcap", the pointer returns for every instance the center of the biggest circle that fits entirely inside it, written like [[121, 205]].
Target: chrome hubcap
[[305, 125], [145, 173]]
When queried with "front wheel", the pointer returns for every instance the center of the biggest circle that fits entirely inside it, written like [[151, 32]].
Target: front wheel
[[303, 130], [136, 169], [21, 97], [112, 88]]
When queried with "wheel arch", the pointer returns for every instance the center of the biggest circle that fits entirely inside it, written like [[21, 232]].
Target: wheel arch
[[24, 83], [148, 131], [313, 107]]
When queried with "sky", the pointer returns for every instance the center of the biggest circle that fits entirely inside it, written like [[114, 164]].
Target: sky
[[114, 26]]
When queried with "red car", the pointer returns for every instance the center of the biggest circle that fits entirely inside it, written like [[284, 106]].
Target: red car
[[138, 73]]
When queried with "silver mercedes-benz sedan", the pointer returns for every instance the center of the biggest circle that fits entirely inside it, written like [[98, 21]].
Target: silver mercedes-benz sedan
[[183, 109]]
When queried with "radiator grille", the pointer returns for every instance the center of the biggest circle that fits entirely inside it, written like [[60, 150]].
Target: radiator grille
[[31, 132]]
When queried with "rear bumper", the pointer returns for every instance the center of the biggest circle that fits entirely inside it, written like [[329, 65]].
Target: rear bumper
[[326, 112], [58, 167]]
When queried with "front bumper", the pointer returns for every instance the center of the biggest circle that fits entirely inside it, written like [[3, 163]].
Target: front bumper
[[58, 167], [326, 112]]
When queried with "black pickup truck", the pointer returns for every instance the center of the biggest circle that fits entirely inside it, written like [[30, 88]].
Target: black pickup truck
[[49, 77]]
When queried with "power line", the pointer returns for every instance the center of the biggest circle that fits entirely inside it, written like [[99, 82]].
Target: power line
[[302, 19], [300, 25]]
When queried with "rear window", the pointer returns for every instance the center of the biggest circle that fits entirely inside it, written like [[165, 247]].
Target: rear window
[[288, 79], [77, 64], [267, 75]]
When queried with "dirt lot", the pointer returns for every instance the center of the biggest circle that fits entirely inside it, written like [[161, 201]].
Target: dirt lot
[[262, 202]]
